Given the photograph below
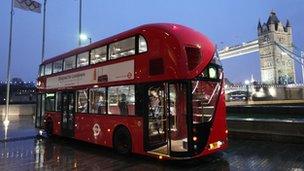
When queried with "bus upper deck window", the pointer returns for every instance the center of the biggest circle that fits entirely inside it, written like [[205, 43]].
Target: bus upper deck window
[[69, 63], [122, 48], [83, 59], [41, 70], [142, 45], [48, 69], [99, 55], [57, 66]]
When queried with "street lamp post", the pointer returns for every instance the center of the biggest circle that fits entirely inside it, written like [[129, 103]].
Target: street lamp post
[[80, 20], [43, 32], [6, 121]]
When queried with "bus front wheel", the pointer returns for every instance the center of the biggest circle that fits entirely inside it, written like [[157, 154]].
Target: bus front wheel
[[122, 141]]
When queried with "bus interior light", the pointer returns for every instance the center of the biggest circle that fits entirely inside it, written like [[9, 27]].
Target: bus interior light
[[142, 43]]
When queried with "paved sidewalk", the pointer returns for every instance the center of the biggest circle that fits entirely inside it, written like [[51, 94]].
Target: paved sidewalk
[[19, 128]]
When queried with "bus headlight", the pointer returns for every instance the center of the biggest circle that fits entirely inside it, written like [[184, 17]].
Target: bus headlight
[[215, 145]]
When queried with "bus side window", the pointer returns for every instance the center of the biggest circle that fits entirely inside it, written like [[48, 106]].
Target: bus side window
[[122, 48], [58, 102], [98, 101], [48, 69], [69, 63], [142, 45], [83, 59], [99, 55], [57, 66], [41, 70], [121, 100], [82, 101], [50, 102], [123, 104]]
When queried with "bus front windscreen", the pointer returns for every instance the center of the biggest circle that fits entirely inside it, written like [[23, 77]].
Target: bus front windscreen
[[205, 92]]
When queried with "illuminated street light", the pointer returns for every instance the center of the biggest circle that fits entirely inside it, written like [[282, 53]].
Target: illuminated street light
[[6, 122], [84, 37], [247, 82]]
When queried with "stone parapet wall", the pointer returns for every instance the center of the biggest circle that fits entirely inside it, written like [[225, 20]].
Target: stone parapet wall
[[18, 110]]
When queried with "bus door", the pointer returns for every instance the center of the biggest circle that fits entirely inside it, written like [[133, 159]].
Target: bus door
[[40, 110], [178, 119], [157, 136], [68, 109]]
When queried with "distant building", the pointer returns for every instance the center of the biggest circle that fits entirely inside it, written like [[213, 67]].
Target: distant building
[[276, 67], [20, 92]]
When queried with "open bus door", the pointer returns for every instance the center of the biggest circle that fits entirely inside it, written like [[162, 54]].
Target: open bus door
[[68, 110], [156, 116], [166, 117]]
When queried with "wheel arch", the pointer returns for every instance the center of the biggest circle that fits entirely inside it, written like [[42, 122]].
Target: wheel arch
[[122, 126]]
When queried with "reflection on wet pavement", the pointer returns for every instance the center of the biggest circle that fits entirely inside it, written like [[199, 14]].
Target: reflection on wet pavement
[[30, 153], [67, 154], [19, 127]]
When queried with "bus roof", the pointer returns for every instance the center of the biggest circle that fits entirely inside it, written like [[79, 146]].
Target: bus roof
[[170, 28]]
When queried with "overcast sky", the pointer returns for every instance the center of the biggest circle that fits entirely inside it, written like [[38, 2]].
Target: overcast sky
[[224, 22]]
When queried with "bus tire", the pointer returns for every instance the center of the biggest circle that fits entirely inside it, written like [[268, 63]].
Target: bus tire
[[122, 141], [49, 128]]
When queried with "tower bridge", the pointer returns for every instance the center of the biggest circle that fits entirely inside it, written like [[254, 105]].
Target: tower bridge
[[239, 50], [276, 51]]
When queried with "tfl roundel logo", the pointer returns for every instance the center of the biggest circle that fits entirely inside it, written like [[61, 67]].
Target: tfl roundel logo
[[96, 130], [129, 75]]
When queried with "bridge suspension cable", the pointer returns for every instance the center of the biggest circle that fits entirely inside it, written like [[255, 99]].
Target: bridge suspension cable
[[297, 57]]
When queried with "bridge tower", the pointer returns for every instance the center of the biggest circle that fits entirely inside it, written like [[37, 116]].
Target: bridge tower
[[276, 66]]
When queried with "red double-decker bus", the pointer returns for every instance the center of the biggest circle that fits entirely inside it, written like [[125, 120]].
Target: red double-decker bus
[[154, 90]]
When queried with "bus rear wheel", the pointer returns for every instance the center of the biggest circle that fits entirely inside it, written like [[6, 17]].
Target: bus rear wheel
[[122, 141]]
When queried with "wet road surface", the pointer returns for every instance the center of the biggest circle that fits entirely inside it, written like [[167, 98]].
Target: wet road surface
[[67, 154], [22, 151], [19, 127]]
